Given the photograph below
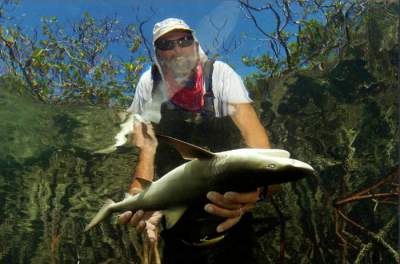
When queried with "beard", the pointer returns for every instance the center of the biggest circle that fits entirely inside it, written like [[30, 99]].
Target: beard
[[182, 68]]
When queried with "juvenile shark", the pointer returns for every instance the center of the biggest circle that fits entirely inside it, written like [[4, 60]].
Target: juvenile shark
[[237, 170]]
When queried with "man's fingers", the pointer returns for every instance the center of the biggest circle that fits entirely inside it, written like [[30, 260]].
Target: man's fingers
[[152, 225], [138, 137], [152, 235], [155, 218], [231, 205], [249, 197], [140, 226], [228, 223], [124, 218], [137, 127], [136, 218], [222, 212], [144, 136], [141, 221], [247, 208], [228, 213], [221, 201], [150, 131]]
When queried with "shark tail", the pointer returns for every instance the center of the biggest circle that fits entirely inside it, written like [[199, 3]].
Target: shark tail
[[101, 215]]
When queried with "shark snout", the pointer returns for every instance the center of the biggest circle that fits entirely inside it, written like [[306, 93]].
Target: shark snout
[[301, 165], [288, 169]]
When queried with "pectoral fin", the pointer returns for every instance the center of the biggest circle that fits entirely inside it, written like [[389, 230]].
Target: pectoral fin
[[188, 151], [172, 215]]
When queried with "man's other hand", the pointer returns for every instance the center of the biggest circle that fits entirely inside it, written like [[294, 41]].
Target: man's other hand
[[231, 205], [142, 221]]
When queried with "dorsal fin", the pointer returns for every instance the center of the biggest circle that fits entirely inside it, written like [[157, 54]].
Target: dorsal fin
[[145, 183], [188, 151]]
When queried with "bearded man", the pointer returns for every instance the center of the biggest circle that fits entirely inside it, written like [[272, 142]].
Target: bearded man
[[206, 103]]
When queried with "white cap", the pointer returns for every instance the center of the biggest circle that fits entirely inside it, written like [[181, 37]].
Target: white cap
[[167, 25]]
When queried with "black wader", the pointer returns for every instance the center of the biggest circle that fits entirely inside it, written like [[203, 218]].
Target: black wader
[[183, 240]]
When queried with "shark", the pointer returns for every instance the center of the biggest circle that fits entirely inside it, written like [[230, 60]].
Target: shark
[[237, 170]]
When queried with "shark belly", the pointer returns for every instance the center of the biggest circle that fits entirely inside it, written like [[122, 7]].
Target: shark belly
[[180, 187]]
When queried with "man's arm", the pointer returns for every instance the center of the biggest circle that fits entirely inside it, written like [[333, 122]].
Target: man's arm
[[145, 140], [232, 205], [245, 118]]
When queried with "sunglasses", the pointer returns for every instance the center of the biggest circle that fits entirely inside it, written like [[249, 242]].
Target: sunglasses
[[164, 44]]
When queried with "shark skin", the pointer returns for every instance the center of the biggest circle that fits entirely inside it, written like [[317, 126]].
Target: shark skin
[[237, 170]]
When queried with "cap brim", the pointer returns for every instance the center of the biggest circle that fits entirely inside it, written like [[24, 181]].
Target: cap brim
[[170, 30]]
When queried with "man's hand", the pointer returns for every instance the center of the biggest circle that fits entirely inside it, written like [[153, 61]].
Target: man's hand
[[144, 138], [231, 205], [142, 221]]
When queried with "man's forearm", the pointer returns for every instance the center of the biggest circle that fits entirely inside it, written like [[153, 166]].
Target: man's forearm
[[144, 169], [246, 120]]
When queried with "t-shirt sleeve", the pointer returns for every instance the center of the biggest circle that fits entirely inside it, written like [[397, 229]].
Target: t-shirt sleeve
[[142, 93], [228, 88]]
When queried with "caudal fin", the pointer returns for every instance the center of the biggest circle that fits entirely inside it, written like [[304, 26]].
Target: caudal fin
[[101, 215]]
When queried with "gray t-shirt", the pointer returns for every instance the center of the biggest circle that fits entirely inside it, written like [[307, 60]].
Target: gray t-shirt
[[228, 88]]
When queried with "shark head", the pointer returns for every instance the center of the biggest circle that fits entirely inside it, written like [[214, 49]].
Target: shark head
[[261, 167], [286, 169]]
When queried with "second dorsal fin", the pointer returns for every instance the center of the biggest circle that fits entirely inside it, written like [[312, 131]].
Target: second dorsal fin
[[188, 151]]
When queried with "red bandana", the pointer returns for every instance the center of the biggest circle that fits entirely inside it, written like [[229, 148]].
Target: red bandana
[[190, 98]]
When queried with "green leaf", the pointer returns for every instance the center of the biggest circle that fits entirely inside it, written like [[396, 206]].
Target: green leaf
[[37, 53]]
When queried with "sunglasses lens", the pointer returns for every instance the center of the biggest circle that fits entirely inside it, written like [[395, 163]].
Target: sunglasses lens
[[163, 44], [185, 42]]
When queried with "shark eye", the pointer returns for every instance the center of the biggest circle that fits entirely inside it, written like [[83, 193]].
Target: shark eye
[[271, 166]]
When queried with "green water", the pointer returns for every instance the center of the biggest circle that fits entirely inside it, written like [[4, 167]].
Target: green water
[[51, 183]]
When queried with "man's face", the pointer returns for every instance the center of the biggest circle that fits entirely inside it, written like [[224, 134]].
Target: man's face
[[181, 60]]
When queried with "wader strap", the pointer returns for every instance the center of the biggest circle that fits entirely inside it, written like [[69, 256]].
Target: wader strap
[[207, 75]]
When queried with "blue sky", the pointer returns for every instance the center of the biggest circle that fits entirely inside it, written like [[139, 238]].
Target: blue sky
[[215, 22]]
